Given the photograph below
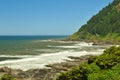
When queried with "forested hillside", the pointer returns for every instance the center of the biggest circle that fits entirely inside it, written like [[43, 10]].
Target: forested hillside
[[105, 26]]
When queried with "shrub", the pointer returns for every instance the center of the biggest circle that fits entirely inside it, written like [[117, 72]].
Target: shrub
[[92, 59], [7, 77], [103, 67], [79, 73], [109, 58], [106, 74]]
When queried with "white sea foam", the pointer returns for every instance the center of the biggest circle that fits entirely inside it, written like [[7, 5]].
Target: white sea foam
[[36, 41], [40, 61], [67, 46], [19, 56], [46, 40], [77, 45], [58, 41], [84, 44]]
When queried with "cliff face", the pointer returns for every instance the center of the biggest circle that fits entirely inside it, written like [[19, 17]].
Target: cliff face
[[104, 26]]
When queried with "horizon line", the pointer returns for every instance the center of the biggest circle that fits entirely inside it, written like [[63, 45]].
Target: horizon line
[[34, 35]]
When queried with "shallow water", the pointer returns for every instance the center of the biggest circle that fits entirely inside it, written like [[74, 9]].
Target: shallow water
[[36, 53]]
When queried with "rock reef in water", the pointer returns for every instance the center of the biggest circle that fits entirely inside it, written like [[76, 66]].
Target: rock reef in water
[[49, 73]]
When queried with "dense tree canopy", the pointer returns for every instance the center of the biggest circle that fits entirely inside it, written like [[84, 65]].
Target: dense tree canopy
[[103, 26]]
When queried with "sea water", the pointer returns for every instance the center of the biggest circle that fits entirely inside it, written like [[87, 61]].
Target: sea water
[[30, 52]]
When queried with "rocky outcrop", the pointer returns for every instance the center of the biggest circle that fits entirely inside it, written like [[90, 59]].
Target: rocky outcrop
[[48, 73]]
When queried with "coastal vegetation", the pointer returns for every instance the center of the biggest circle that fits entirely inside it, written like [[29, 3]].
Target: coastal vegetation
[[103, 67], [104, 26], [7, 77]]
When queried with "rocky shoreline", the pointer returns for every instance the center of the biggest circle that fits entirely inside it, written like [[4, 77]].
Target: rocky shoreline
[[48, 73]]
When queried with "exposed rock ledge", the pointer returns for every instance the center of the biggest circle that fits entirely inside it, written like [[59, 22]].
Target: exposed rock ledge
[[44, 74]]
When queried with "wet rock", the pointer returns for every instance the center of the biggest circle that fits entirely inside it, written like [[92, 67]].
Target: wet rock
[[49, 73]]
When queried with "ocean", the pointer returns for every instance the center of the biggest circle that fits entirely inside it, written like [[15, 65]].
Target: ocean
[[26, 45], [30, 52]]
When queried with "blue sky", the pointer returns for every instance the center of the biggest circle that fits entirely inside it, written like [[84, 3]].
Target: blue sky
[[46, 17]]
